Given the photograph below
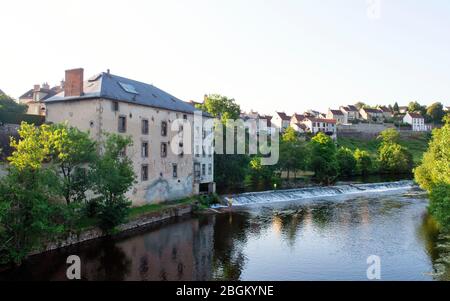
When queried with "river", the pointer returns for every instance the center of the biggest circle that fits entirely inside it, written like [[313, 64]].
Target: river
[[298, 238]]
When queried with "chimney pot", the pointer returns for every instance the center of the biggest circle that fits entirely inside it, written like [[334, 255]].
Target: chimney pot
[[73, 85]]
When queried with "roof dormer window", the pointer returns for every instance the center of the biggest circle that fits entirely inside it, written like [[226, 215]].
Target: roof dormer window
[[128, 88]]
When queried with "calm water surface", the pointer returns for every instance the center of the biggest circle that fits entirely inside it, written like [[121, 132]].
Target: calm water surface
[[317, 239]]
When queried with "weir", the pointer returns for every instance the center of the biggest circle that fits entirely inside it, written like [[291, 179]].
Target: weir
[[290, 195]]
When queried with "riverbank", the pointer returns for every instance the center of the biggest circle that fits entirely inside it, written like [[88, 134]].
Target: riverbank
[[139, 217], [330, 239], [144, 216]]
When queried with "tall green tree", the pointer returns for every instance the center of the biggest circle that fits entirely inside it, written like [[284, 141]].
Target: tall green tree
[[221, 107], [9, 105], [66, 149], [230, 170], [113, 176], [393, 157], [31, 214], [323, 159], [433, 174], [396, 108], [363, 162], [346, 161], [72, 152], [436, 112], [292, 152], [414, 106]]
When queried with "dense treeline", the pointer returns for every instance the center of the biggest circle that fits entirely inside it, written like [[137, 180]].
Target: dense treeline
[[319, 155], [57, 179]]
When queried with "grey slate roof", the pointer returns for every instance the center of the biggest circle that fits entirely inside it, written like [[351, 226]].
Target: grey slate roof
[[106, 85]]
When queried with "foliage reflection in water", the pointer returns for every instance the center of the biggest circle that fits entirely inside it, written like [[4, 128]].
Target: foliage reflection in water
[[320, 239]]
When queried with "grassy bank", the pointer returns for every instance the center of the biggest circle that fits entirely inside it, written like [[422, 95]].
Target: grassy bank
[[135, 213], [417, 145]]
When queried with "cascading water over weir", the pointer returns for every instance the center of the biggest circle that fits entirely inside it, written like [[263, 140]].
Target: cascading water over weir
[[276, 196]]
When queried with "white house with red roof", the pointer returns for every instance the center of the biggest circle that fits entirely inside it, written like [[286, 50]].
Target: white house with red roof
[[316, 125], [281, 120], [417, 121]]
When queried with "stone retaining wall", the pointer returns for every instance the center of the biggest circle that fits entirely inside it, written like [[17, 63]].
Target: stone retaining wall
[[142, 221]]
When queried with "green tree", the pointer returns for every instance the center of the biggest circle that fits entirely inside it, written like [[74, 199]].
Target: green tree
[[292, 152], [363, 162], [230, 170], [435, 166], [414, 106], [221, 107], [436, 112], [359, 105], [433, 174], [346, 161], [393, 157], [113, 176], [65, 148], [389, 136], [30, 216], [259, 172], [72, 152], [396, 108], [8, 105], [31, 213], [323, 159]]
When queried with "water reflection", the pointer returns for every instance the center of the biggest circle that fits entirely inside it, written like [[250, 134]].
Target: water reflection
[[327, 239]]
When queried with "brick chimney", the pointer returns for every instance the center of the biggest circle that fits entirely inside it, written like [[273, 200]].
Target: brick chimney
[[73, 85]]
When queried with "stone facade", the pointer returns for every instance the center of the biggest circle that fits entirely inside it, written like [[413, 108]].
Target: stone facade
[[166, 170]]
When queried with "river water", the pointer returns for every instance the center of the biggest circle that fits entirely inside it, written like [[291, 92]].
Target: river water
[[317, 238]]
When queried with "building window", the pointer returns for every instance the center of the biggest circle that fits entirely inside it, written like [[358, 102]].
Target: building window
[[163, 128], [115, 106], [197, 151], [144, 172], [175, 170], [144, 126], [144, 150], [203, 169], [197, 170], [185, 117], [209, 169], [163, 150], [122, 124]]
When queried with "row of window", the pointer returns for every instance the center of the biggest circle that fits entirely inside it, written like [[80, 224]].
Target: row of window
[[145, 171], [144, 149], [322, 124], [122, 126]]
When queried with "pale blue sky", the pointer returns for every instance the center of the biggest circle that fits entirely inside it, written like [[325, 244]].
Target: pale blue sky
[[269, 55]]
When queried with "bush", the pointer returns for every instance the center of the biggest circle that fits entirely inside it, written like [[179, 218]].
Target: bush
[[440, 205], [18, 118], [392, 157], [363, 162], [112, 213], [347, 162]]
